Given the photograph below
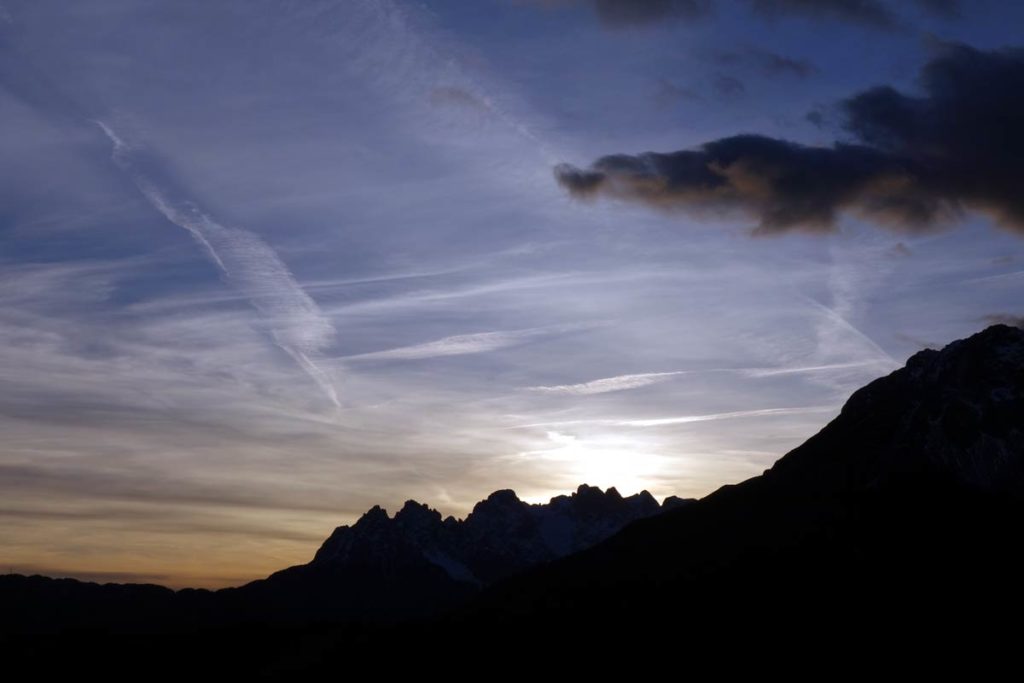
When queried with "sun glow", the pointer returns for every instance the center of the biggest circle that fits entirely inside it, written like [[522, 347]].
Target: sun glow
[[603, 461]]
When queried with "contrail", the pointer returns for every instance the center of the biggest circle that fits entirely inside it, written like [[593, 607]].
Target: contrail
[[458, 345], [296, 324], [687, 419], [386, 44], [608, 384], [682, 419]]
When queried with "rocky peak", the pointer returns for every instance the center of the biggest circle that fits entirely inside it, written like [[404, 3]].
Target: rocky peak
[[584, 491], [503, 499], [499, 508], [955, 414], [673, 502], [417, 516], [374, 518]]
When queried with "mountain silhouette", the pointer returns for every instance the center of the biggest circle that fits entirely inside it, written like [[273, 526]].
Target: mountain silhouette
[[892, 533], [380, 568], [903, 515], [417, 564]]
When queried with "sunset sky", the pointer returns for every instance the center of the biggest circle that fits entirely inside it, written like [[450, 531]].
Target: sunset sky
[[265, 264]]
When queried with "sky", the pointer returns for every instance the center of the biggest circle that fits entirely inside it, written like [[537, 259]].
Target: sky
[[265, 264]]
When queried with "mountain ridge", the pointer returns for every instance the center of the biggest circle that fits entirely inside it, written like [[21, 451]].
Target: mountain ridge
[[470, 549]]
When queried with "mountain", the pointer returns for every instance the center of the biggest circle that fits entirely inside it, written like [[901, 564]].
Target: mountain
[[502, 536], [416, 563], [902, 516], [381, 568]]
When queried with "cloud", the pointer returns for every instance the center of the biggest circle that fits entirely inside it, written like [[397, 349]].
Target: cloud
[[688, 419], [785, 185], [867, 12], [608, 384], [772, 372], [915, 164], [767, 63], [296, 324], [685, 419], [457, 345]]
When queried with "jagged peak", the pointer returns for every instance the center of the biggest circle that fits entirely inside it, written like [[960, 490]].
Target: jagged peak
[[418, 514], [501, 499], [644, 496], [413, 507], [500, 504], [372, 517], [672, 502]]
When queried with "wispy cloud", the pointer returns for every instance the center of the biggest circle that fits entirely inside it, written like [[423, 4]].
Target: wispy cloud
[[842, 326], [682, 419], [687, 419], [295, 322], [771, 372], [625, 382], [608, 384], [457, 345]]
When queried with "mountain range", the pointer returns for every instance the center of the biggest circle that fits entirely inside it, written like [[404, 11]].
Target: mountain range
[[379, 569], [895, 528]]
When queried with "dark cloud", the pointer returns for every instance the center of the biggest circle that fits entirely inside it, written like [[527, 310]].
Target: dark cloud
[[966, 131], [915, 162], [1005, 319], [767, 63], [868, 12], [785, 185]]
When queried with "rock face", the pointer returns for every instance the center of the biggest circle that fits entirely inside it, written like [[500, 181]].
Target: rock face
[[501, 536], [955, 414]]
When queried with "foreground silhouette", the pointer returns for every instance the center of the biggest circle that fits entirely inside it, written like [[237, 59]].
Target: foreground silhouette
[[892, 533]]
